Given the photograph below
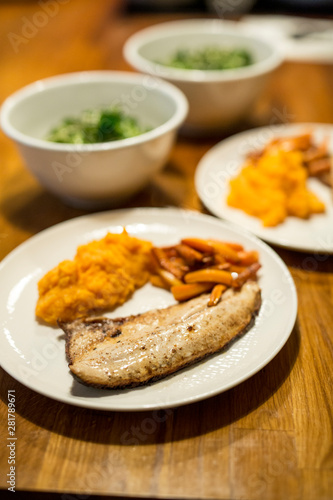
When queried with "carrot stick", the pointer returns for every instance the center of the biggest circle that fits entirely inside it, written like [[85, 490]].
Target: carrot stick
[[169, 278], [226, 266], [198, 244], [154, 264], [301, 142], [319, 166], [188, 291], [231, 244], [237, 269], [249, 273], [209, 274], [219, 259], [216, 294], [172, 266], [156, 280], [190, 255], [169, 251], [248, 258], [225, 250]]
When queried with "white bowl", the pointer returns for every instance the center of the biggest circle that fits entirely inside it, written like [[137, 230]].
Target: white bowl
[[101, 174], [219, 98]]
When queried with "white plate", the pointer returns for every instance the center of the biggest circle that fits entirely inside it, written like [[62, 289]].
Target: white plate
[[34, 354], [298, 38], [223, 162]]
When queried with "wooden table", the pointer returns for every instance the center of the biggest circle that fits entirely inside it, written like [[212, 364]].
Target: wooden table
[[271, 436]]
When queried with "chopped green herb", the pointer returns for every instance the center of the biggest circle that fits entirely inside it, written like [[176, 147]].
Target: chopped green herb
[[98, 125], [210, 58]]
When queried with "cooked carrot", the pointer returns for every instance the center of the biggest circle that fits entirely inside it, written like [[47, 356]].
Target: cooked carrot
[[209, 274], [225, 266], [210, 260], [156, 280], [248, 258], [249, 273], [319, 166], [154, 264], [169, 251], [198, 244], [301, 142], [225, 250], [237, 269], [231, 244], [190, 255], [169, 278], [234, 246], [195, 266], [188, 291], [219, 259], [216, 294], [173, 266], [314, 154]]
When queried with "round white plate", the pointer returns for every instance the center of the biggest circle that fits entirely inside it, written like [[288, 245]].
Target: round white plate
[[223, 162], [34, 354], [298, 38]]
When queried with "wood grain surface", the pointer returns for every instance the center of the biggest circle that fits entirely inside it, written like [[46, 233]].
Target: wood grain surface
[[268, 438]]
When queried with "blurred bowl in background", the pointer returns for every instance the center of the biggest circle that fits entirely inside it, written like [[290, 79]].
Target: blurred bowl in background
[[160, 5], [229, 8], [101, 174], [218, 99]]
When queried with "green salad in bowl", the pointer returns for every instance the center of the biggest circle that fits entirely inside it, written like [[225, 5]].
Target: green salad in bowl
[[209, 58], [221, 68], [87, 166], [96, 125]]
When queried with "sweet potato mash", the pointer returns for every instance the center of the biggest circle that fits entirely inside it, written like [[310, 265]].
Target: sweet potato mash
[[102, 275], [273, 186]]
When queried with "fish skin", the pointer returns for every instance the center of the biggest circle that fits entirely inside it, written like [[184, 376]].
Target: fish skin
[[127, 352], [82, 333]]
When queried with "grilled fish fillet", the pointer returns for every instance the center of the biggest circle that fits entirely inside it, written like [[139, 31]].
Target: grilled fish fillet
[[126, 352]]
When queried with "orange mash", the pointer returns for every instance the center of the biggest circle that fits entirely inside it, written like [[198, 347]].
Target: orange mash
[[102, 275], [273, 186]]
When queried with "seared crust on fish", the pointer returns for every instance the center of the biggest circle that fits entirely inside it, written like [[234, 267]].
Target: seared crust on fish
[[127, 352]]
